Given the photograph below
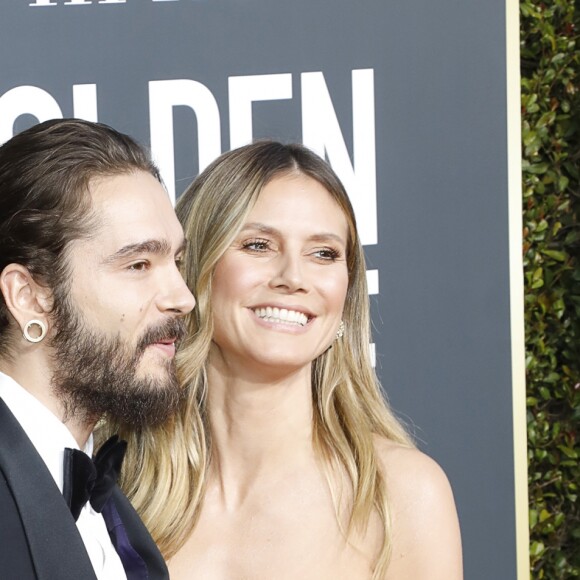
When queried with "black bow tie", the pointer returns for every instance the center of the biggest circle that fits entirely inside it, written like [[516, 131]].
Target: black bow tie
[[87, 479]]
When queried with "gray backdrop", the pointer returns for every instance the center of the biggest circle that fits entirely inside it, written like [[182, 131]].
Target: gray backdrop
[[435, 75]]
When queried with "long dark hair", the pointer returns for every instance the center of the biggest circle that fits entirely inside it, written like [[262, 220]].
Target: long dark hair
[[45, 173]]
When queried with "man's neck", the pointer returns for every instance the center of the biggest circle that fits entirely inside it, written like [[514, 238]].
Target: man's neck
[[34, 376]]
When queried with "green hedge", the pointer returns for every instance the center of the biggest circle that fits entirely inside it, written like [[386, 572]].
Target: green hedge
[[550, 60]]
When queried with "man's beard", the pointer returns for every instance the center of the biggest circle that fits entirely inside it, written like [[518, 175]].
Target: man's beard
[[96, 374]]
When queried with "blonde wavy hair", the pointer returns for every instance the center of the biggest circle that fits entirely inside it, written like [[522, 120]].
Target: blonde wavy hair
[[165, 470]]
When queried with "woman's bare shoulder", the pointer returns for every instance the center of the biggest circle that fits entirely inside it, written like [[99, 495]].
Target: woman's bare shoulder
[[426, 538], [409, 469]]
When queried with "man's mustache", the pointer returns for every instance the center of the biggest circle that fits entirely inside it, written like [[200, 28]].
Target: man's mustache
[[172, 328]]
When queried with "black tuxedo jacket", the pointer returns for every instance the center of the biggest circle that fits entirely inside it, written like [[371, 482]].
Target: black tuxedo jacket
[[39, 539]]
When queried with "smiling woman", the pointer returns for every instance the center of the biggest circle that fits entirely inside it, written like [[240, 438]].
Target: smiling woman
[[286, 461], [283, 277]]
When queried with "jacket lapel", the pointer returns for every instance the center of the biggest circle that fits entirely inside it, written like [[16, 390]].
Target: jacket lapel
[[55, 544], [138, 537]]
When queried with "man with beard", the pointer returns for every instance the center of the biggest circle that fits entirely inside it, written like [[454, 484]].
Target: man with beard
[[91, 307]]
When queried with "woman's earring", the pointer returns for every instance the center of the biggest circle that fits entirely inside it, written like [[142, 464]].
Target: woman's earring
[[41, 333], [340, 331]]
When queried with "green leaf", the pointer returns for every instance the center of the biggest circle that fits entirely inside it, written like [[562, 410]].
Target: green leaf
[[536, 548], [546, 119], [533, 518], [537, 168], [563, 182], [555, 255], [568, 451]]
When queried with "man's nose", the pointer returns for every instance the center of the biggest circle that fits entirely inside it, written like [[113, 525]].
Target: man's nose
[[176, 296]]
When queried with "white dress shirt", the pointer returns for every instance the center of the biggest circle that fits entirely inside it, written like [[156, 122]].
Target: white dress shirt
[[50, 437]]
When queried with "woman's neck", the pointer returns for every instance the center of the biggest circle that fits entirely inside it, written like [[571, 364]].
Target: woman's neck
[[261, 426]]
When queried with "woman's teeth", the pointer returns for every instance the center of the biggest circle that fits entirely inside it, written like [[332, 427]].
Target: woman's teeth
[[283, 315]]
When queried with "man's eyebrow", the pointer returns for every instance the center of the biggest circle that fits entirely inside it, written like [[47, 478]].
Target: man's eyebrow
[[158, 247]]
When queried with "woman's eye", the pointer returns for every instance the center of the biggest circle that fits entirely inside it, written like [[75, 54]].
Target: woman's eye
[[258, 245], [327, 254]]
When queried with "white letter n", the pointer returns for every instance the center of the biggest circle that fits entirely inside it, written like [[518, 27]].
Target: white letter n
[[321, 133]]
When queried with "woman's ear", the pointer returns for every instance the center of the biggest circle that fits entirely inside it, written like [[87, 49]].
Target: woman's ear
[[25, 299]]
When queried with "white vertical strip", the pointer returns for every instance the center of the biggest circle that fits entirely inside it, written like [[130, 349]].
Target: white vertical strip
[[373, 282], [85, 102], [373, 290], [517, 288]]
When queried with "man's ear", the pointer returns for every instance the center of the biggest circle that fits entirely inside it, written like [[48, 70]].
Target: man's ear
[[26, 299]]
